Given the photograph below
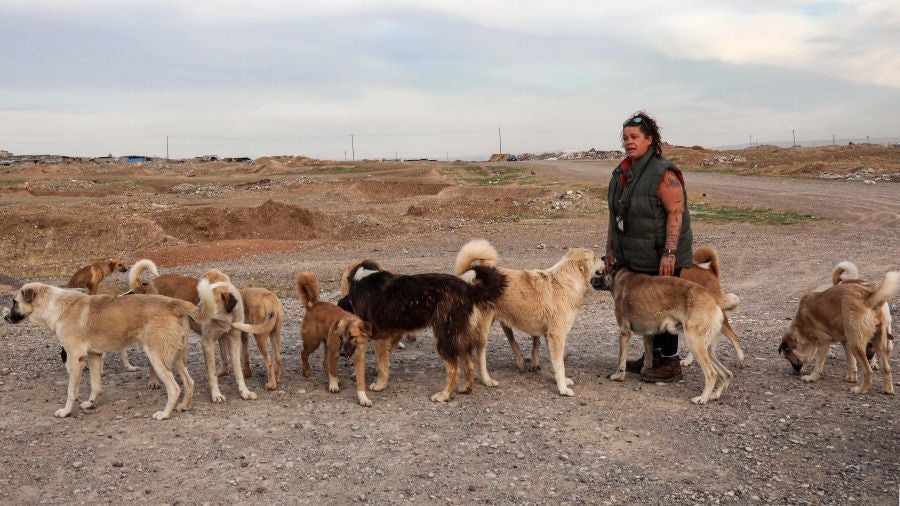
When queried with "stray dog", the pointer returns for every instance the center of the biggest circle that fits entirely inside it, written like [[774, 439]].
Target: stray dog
[[850, 313], [458, 310], [263, 316], [705, 272], [176, 286], [89, 325], [848, 272], [537, 302], [342, 332], [345, 289], [89, 277], [229, 309], [648, 305]]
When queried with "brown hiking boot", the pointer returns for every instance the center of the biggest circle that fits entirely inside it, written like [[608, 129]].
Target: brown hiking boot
[[635, 366], [668, 370]]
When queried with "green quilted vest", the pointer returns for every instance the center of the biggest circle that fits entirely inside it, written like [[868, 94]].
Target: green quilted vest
[[643, 241]]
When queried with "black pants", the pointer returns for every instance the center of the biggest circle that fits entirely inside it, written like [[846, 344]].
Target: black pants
[[666, 342]]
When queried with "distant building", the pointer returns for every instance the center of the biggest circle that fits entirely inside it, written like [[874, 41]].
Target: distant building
[[5, 154], [136, 159]]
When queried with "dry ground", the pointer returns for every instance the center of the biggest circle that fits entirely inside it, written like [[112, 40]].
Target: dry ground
[[771, 438]]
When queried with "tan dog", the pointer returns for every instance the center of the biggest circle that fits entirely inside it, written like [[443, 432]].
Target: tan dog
[[537, 302], [89, 277], [342, 332], [229, 309], [263, 316], [848, 272], [849, 313], [89, 325], [648, 305], [705, 272]]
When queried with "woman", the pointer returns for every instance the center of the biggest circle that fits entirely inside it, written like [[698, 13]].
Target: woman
[[649, 226]]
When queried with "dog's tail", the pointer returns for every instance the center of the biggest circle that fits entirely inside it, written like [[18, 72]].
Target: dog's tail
[[487, 284], [307, 289], [475, 252], [729, 301], [216, 276], [137, 270], [887, 290], [844, 271], [260, 328], [707, 258]]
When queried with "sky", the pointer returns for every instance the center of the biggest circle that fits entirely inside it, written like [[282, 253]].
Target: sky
[[438, 78]]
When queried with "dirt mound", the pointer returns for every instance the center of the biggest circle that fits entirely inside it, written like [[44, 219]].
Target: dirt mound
[[387, 191], [214, 251], [271, 220]]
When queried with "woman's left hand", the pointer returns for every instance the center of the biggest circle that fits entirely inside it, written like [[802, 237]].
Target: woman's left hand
[[667, 265]]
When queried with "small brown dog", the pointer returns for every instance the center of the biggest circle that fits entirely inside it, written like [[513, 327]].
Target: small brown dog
[[339, 330], [90, 277], [850, 313]]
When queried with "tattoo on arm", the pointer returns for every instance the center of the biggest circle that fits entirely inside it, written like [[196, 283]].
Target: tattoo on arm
[[673, 230]]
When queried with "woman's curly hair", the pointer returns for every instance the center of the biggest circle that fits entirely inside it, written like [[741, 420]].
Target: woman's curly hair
[[648, 127]]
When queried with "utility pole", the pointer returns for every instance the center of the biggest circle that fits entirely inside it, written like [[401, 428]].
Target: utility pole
[[167, 148], [352, 147], [794, 133], [751, 140], [500, 136], [832, 139], [345, 155]]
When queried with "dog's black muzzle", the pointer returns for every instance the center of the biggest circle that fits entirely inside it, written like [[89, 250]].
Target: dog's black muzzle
[[347, 349], [12, 314]]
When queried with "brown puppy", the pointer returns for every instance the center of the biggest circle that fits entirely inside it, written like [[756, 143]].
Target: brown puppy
[[89, 325], [90, 277], [705, 272], [339, 330], [539, 302], [850, 313], [647, 305]]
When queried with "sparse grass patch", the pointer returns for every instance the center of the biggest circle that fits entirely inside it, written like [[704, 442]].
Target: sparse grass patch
[[704, 211]]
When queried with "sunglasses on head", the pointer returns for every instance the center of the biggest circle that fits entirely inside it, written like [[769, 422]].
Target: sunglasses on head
[[633, 121]]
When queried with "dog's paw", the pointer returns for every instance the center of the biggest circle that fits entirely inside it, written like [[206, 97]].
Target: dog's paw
[[440, 397], [222, 372], [184, 407], [248, 396], [465, 390], [401, 345], [857, 390], [363, 400], [271, 385], [850, 378], [810, 378], [375, 387], [62, 413], [617, 376], [218, 399], [160, 415], [334, 388], [568, 392], [699, 400], [132, 368], [88, 404], [534, 367], [569, 382], [490, 382], [153, 385]]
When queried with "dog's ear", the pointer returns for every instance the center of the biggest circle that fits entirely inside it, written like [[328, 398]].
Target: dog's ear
[[366, 328], [338, 327], [230, 301], [28, 295]]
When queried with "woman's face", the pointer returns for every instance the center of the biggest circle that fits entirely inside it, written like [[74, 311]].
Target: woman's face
[[635, 142]]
